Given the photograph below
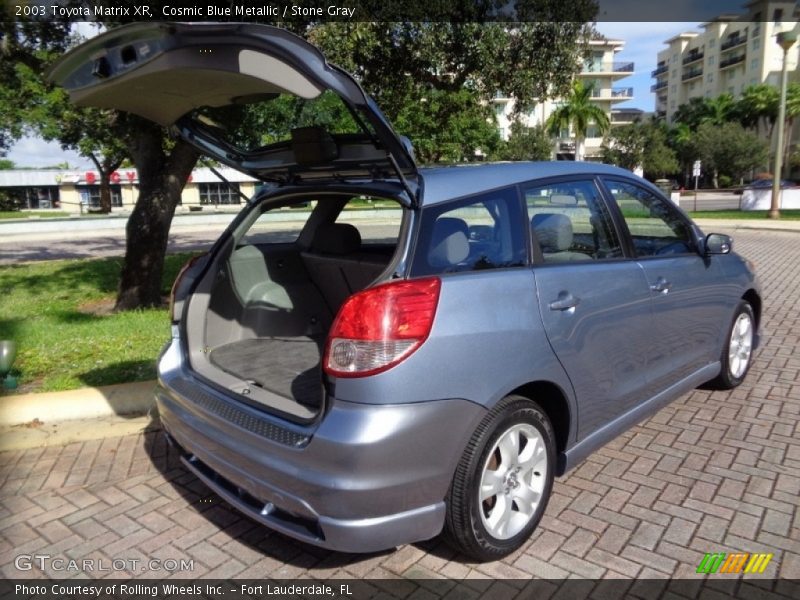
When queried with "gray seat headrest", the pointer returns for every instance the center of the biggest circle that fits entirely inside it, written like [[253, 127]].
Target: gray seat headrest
[[336, 238], [449, 243], [553, 230]]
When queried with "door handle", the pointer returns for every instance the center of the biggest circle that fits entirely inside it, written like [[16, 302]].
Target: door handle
[[661, 285], [566, 301]]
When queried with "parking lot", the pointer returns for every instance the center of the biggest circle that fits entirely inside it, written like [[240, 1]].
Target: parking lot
[[712, 472]]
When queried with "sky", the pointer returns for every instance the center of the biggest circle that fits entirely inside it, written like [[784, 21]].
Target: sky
[[643, 40]]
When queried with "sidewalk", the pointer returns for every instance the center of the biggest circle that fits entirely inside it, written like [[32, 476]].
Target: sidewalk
[[713, 225]]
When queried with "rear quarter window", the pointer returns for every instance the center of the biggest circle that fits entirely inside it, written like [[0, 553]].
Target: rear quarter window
[[472, 234]]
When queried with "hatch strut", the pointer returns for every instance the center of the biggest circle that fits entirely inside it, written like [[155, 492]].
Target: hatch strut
[[411, 197], [232, 187]]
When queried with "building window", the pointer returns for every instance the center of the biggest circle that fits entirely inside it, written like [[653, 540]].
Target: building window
[[35, 197], [674, 58], [691, 86], [777, 15], [673, 88], [710, 61], [712, 42], [754, 64], [710, 78], [756, 44], [219, 193], [90, 195]]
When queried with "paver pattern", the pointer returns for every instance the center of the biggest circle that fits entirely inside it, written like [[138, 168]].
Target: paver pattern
[[712, 472]]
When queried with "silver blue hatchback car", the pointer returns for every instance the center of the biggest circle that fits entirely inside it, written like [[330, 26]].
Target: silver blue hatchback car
[[375, 353]]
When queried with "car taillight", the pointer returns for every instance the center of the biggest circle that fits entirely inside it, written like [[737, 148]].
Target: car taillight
[[175, 286], [381, 326]]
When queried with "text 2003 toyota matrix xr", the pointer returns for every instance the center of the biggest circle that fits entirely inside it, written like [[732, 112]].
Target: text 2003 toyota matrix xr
[[359, 383]]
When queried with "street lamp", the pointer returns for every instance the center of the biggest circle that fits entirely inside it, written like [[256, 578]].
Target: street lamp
[[786, 40]]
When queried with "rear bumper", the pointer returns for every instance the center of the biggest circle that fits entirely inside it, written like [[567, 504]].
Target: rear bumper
[[365, 478]]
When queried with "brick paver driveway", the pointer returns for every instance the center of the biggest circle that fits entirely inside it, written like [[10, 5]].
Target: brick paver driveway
[[713, 472]]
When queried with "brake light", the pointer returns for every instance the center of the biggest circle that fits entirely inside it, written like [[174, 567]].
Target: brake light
[[380, 327], [176, 285]]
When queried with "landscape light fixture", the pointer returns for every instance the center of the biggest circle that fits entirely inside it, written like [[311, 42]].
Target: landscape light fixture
[[8, 352]]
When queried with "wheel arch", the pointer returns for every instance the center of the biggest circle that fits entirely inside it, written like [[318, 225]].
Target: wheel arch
[[754, 299], [554, 402]]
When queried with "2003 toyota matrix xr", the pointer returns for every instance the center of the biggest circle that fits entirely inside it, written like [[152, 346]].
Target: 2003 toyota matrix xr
[[359, 379]]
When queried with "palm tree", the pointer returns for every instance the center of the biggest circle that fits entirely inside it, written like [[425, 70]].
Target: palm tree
[[758, 108], [719, 110], [576, 114]]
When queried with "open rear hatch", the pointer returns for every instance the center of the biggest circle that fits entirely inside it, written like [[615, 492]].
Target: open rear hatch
[[181, 74]]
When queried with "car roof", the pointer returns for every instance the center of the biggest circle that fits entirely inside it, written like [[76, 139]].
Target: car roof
[[445, 183]]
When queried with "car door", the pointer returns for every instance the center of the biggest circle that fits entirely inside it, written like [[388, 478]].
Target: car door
[[594, 302], [685, 287]]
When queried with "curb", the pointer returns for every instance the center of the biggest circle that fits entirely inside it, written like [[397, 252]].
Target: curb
[[124, 399]]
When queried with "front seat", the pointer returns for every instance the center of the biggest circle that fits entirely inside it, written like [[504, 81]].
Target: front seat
[[554, 233]]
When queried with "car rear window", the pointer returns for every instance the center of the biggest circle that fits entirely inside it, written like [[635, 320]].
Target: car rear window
[[471, 234]]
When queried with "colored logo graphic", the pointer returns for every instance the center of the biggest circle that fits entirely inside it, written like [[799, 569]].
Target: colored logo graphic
[[738, 562]]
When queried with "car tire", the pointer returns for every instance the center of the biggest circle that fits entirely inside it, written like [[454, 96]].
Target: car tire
[[508, 466], [737, 352]]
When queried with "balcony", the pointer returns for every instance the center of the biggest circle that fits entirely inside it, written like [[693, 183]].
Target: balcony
[[693, 57], [658, 86], [733, 60], [625, 118], [692, 73], [732, 42], [608, 67], [618, 93], [660, 69]]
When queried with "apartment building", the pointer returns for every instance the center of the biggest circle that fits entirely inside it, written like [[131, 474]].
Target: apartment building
[[603, 72], [731, 53]]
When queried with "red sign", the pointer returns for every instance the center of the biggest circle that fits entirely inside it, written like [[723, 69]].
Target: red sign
[[131, 175], [90, 177], [114, 177]]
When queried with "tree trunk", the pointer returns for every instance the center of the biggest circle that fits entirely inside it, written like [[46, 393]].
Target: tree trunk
[[106, 168], [162, 176]]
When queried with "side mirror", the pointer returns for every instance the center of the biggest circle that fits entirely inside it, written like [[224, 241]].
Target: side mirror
[[718, 243]]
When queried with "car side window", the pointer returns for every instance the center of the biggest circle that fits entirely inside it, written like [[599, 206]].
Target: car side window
[[570, 222], [476, 233], [377, 221], [272, 226], [655, 226]]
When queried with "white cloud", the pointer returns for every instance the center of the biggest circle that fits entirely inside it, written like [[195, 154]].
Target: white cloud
[[35, 152]]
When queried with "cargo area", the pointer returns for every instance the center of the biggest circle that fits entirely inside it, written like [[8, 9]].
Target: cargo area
[[262, 312]]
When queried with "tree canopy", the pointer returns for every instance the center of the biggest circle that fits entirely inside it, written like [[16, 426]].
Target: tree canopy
[[432, 79]]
